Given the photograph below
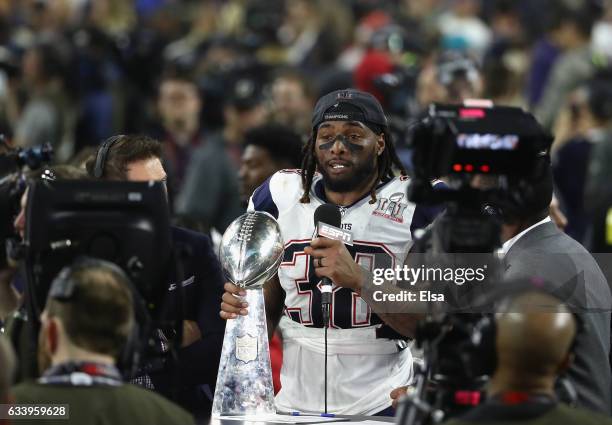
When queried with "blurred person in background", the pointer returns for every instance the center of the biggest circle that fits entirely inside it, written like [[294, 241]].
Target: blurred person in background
[[462, 29], [389, 70], [590, 112], [506, 62], [451, 77], [570, 24], [179, 104], [598, 190], [267, 149], [314, 33], [244, 109], [97, 74], [362, 37], [43, 17], [78, 352], [291, 101], [45, 116], [116, 17], [210, 191], [602, 32], [503, 73], [421, 15], [9, 87], [215, 63]]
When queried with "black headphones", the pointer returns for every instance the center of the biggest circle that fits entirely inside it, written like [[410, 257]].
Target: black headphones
[[63, 290], [63, 286], [102, 154]]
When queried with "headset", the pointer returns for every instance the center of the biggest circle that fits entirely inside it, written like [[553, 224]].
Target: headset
[[63, 286], [102, 155], [63, 290]]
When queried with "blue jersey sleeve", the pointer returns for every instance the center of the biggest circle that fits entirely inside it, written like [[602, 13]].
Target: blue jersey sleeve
[[262, 199]]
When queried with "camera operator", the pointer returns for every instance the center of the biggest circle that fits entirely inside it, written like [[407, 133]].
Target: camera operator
[[12, 278], [533, 347], [535, 249], [137, 158], [11, 282], [517, 206], [78, 351]]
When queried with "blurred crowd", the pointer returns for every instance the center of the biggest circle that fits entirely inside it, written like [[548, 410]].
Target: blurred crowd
[[205, 77]]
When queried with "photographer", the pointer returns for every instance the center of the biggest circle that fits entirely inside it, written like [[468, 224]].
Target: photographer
[[137, 158], [78, 351], [533, 347]]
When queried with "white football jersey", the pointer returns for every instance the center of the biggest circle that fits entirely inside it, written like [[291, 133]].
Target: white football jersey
[[366, 358]]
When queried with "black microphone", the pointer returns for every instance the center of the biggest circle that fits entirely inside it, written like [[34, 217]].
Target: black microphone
[[328, 214]]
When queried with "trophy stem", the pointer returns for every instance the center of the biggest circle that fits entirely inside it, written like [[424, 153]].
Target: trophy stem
[[244, 381]]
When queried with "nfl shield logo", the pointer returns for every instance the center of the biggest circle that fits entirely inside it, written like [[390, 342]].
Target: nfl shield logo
[[246, 348]]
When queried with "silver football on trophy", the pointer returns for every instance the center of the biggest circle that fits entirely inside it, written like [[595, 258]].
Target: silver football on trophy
[[251, 249]]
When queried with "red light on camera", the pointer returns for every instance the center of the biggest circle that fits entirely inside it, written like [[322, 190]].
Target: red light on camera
[[469, 168], [467, 398], [485, 168], [471, 113], [457, 168]]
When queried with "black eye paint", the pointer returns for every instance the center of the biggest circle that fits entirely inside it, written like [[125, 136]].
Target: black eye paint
[[352, 147]]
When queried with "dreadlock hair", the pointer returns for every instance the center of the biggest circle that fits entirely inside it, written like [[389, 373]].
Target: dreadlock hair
[[386, 163]]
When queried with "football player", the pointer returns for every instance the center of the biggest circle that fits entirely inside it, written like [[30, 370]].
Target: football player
[[351, 162]]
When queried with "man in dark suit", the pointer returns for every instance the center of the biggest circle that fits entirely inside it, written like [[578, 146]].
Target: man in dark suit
[[535, 249], [137, 158]]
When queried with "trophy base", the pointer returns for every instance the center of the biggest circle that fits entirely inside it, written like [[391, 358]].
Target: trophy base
[[244, 381]]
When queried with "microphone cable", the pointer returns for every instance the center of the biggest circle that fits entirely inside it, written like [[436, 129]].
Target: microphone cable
[[326, 322]]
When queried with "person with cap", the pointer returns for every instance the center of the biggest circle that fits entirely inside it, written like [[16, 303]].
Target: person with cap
[[534, 335], [244, 109], [358, 169], [87, 320]]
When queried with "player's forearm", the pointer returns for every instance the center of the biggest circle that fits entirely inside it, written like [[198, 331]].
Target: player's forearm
[[401, 317], [275, 300]]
